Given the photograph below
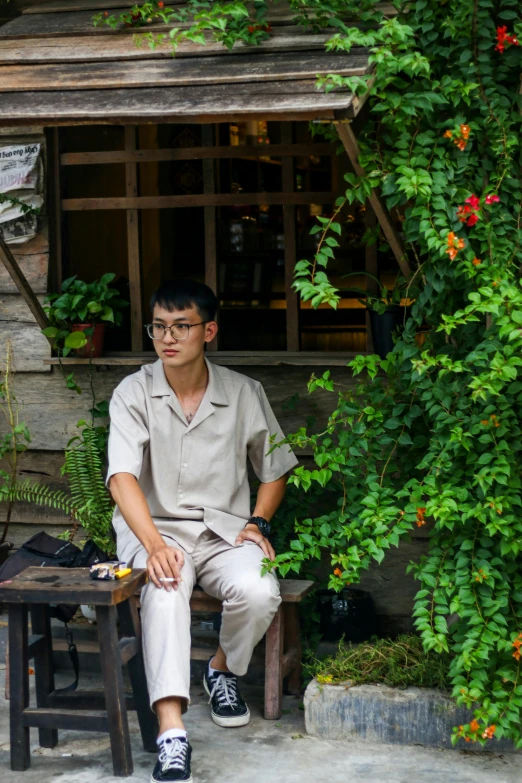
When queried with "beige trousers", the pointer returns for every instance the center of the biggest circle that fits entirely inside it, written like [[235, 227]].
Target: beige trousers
[[231, 574]]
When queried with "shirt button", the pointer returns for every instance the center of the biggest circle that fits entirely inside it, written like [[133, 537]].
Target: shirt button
[[185, 464], [181, 495]]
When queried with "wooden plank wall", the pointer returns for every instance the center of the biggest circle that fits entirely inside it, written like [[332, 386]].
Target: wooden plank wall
[[16, 321]]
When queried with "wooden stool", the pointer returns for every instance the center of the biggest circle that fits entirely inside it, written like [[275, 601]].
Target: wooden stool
[[37, 588], [283, 644]]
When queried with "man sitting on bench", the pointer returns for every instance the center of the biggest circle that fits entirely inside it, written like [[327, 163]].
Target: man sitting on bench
[[181, 431]]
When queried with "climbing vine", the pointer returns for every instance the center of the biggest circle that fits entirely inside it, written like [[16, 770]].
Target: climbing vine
[[431, 435]]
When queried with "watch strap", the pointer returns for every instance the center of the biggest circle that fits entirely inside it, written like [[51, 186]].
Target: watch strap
[[262, 524]]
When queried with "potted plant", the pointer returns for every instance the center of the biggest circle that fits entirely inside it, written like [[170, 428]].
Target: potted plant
[[387, 311], [80, 314]]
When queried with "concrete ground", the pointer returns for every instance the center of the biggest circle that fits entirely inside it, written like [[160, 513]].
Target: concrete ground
[[262, 752]]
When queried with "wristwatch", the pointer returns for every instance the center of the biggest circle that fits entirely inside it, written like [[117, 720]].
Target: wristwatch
[[263, 525]]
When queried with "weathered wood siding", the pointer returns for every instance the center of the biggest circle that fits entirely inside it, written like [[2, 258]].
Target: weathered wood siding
[[16, 321]]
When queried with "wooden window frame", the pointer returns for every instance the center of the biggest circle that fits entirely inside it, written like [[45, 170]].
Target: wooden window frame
[[209, 153]]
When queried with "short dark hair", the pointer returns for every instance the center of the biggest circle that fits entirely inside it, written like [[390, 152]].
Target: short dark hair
[[185, 294]]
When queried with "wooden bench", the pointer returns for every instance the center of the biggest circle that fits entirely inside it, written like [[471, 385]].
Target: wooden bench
[[282, 642]]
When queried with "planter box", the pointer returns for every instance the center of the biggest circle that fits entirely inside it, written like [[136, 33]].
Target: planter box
[[379, 714]]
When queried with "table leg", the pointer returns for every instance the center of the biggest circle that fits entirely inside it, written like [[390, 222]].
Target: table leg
[[293, 642], [19, 686], [274, 667], [114, 691], [130, 625], [43, 669]]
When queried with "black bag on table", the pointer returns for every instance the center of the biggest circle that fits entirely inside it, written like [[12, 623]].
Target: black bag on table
[[45, 550]]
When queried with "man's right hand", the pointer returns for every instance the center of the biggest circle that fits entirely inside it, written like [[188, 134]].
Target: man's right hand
[[165, 562]]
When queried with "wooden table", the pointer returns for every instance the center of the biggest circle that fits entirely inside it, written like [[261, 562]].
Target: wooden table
[[34, 590]]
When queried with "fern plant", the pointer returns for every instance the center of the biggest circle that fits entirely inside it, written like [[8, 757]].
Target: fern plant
[[88, 502]]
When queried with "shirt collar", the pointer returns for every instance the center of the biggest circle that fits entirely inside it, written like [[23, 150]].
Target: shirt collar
[[216, 392]]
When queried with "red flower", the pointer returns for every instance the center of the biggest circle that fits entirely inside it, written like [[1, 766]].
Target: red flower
[[492, 199], [473, 201], [468, 213], [503, 38], [161, 4]]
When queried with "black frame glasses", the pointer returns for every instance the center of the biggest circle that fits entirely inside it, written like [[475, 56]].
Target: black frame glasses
[[184, 327]]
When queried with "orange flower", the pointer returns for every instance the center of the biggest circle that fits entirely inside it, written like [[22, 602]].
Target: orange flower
[[488, 733], [467, 739], [476, 261], [484, 422], [465, 130], [448, 134], [338, 572], [474, 725], [461, 143], [420, 517], [516, 655], [454, 245]]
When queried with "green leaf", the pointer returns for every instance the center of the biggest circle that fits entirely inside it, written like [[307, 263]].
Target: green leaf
[[75, 340]]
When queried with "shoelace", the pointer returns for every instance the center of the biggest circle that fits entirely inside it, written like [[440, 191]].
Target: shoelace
[[173, 754], [225, 689]]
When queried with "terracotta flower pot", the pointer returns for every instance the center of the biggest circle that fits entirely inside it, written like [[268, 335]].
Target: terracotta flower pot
[[94, 345]]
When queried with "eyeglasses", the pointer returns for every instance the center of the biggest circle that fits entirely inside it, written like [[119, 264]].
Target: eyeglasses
[[177, 331]]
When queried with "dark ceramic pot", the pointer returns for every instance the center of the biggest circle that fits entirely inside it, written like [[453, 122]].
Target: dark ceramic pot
[[383, 326]]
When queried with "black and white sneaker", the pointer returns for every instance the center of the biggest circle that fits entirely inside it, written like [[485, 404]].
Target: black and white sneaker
[[173, 762], [229, 709]]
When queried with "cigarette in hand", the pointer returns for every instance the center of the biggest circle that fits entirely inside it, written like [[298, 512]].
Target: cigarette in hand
[[168, 579]]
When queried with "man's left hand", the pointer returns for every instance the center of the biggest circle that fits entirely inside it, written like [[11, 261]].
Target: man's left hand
[[252, 533]]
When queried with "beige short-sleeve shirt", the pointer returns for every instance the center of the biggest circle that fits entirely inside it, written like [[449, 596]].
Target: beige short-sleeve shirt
[[195, 471]]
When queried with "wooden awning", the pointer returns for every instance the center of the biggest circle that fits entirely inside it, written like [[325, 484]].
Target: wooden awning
[[57, 68]]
